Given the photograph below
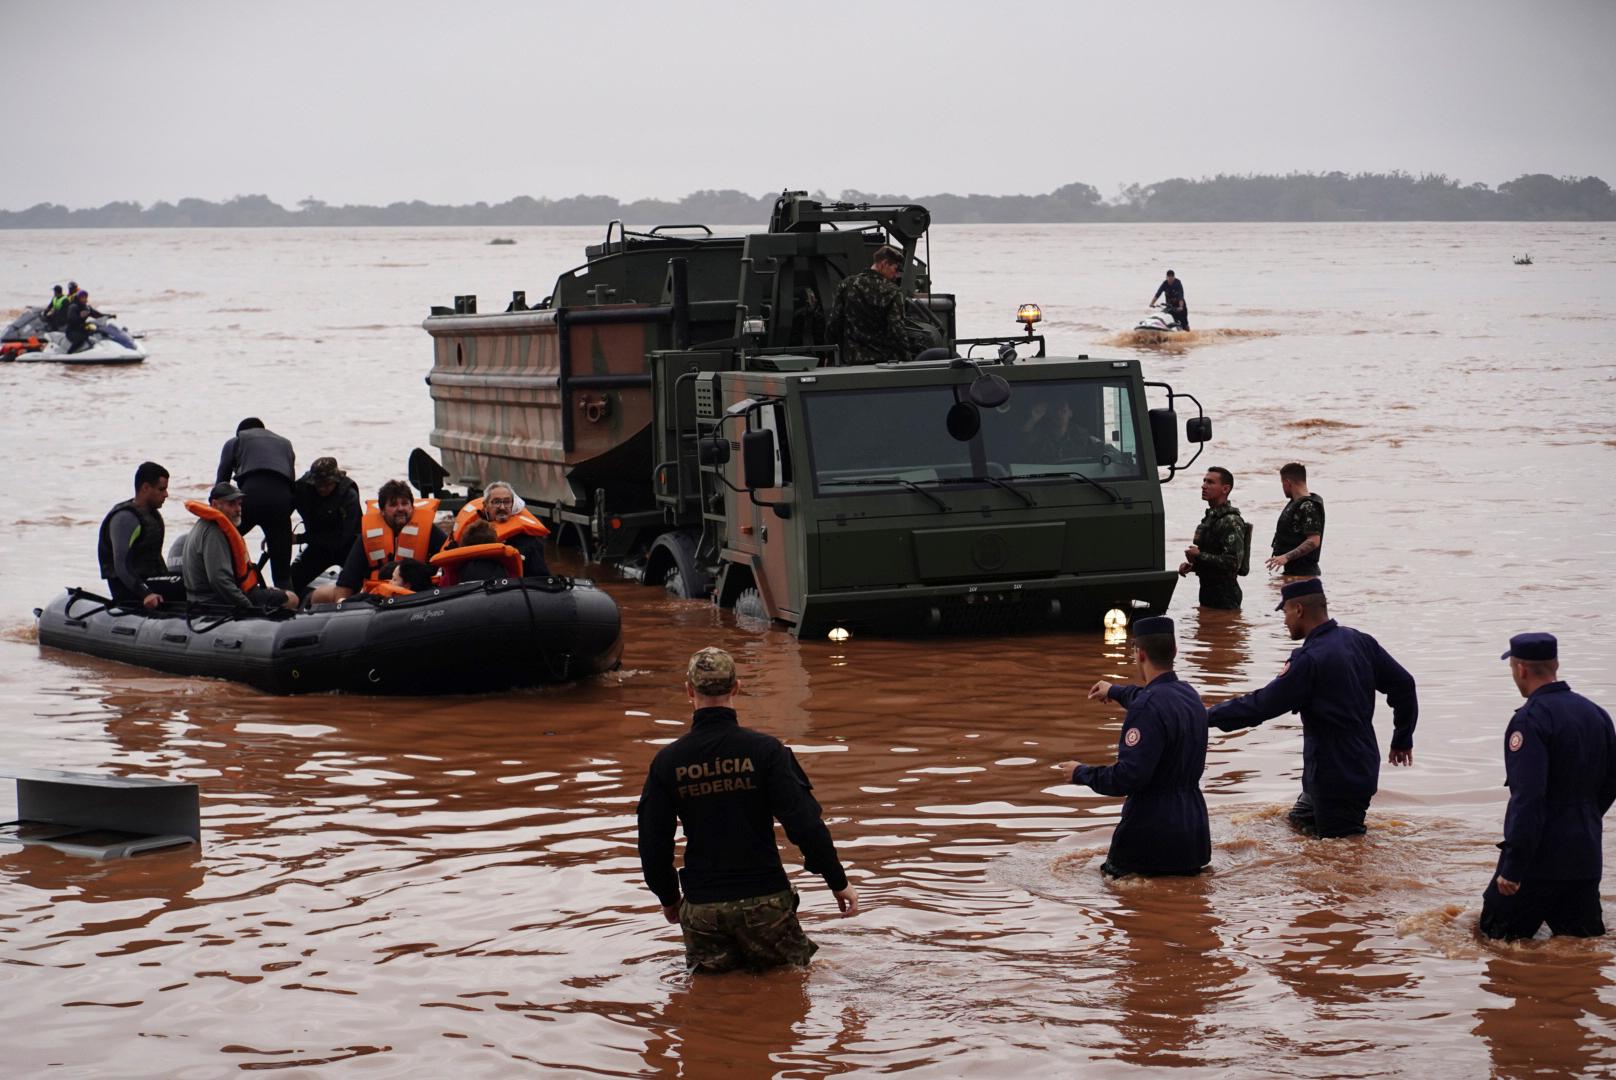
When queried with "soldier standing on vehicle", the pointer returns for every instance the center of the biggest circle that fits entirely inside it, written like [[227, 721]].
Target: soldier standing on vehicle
[[1299, 535], [1161, 754], [727, 784], [866, 315], [1331, 680], [1560, 766], [1219, 553], [1173, 302]]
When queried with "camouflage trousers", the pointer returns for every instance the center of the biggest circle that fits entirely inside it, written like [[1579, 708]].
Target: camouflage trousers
[[757, 933], [1220, 592]]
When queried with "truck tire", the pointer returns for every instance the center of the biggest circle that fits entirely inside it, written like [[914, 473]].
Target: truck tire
[[749, 605], [684, 579]]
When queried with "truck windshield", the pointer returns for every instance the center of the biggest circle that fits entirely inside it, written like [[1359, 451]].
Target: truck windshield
[[866, 439]]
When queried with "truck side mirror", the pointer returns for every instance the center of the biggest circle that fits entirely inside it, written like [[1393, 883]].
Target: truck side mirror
[[1164, 436], [713, 450], [757, 458], [1198, 429]]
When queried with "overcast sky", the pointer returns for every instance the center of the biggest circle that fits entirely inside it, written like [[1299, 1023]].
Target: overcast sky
[[376, 102]]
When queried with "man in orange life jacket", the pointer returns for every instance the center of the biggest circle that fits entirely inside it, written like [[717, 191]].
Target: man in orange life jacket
[[215, 563], [395, 526], [515, 528]]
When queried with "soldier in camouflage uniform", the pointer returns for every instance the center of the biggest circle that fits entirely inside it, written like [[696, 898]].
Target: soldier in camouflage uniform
[[1220, 544], [866, 315], [1299, 535], [728, 784]]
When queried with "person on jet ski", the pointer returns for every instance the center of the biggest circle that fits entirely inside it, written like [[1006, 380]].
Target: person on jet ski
[[1173, 304], [80, 321], [55, 309]]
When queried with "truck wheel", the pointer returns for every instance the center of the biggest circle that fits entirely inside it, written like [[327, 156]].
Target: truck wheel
[[749, 605], [684, 579]]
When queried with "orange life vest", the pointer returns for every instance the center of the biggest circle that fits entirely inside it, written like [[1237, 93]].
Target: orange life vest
[[451, 559], [247, 577], [519, 523], [412, 541], [385, 588]]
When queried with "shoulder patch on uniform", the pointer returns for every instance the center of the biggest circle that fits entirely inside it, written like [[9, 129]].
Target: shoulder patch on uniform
[[1132, 737], [1515, 740], [1284, 671]]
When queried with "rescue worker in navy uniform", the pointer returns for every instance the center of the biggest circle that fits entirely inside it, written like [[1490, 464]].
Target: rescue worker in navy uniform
[[130, 547], [1560, 767], [727, 784], [1299, 534], [390, 528], [1173, 303], [264, 465], [1161, 754], [328, 502], [1331, 680], [1219, 549]]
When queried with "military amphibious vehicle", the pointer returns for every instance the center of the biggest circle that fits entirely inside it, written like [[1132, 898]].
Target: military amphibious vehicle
[[675, 409]]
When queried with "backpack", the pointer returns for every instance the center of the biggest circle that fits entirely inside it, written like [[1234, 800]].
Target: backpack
[[1245, 553]]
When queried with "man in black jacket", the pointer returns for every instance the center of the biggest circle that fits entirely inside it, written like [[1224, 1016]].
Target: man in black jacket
[[728, 784], [1161, 753], [130, 547], [1560, 765], [328, 502], [264, 466]]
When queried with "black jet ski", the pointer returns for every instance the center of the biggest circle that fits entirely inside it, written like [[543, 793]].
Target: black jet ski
[[464, 639]]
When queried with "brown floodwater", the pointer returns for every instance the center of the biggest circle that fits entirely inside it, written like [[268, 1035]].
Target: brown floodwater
[[424, 886]]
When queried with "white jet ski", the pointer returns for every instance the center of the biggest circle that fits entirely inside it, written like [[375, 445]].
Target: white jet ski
[[1159, 322], [26, 339]]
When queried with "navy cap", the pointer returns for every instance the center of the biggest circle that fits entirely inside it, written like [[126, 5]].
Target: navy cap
[[1298, 589], [1156, 624], [1532, 647]]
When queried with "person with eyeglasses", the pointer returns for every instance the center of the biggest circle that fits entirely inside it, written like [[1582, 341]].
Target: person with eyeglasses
[[513, 525]]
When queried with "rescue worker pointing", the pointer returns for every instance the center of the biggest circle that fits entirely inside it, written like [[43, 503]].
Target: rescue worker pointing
[[728, 784]]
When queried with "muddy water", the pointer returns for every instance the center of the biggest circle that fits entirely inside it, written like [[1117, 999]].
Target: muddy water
[[391, 888]]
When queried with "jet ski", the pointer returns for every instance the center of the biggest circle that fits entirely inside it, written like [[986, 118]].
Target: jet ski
[[1159, 322], [27, 339]]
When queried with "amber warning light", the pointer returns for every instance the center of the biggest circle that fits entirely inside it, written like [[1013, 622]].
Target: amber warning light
[[1028, 314]]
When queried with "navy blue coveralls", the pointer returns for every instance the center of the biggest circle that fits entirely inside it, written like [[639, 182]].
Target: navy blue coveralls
[[1560, 767], [1331, 680], [1161, 754]]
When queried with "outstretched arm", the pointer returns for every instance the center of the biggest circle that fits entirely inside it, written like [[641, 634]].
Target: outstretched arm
[[1285, 694]]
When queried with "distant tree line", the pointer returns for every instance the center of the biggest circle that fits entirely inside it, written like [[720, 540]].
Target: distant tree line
[[1335, 196]]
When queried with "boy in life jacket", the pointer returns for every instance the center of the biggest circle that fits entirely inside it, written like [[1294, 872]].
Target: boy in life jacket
[[516, 528], [215, 564], [395, 526], [405, 577]]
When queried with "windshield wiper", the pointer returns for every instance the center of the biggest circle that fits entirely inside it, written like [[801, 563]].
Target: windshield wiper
[[995, 481], [887, 481], [1116, 496]]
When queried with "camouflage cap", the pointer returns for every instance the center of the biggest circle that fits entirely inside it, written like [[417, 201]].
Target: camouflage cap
[[711, 672], [325, 471]]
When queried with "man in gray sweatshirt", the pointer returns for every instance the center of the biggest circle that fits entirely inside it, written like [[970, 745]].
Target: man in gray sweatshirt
[[215, 563], [265, 466]]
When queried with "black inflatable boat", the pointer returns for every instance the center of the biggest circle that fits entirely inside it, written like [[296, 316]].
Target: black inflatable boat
[[465, 639]]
